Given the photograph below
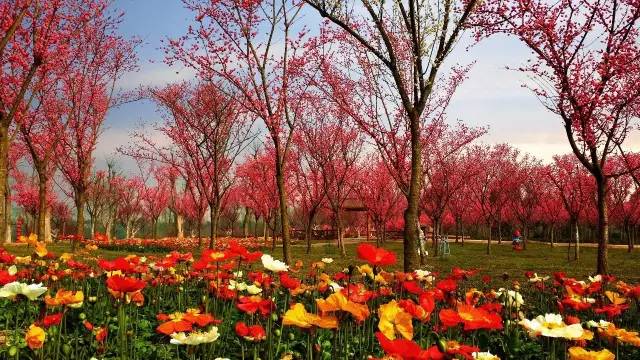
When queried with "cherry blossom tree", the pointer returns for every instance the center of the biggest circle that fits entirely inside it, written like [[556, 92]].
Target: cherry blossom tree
[[129, 194], [376, 189], [37, 37], [250, 48], [399, 50], [526, 194], [336, 159], [155, 200], [586, 70], [40, 128], [100, 57], [308, 184], [574, 187], [444, 150], [206, 131], [491, 186], [256, 180]]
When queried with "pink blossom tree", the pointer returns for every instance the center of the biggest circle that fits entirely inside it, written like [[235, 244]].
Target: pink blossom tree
[[250, 48], [585, 70], [396, 53], [206, 131], [100, 57]]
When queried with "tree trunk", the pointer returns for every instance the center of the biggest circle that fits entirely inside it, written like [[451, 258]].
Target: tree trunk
[[627, 230], [553, 233], [93, 227], [434, 237], [489, 241], [108, 229], [308, 235], [413, 197], [6, 222], [213, 218], [80, 201], [339, 228], [47, 225], [199, 232], [42, 205], [245, 224], [4, 174], [525, 235], [284, 215], [265, 234], [154, 230], [499, 231], [180, 226], [576, 248], [127, 230]]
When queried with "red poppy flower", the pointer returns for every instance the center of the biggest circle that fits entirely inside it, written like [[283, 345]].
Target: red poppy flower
[[251, 333], [125, 284], [427, 301], [289, 282], [101, 334], [459, 274], [612, 310], [252, 304], [6, 257], [357, 293], [375, 256], [53, 319], [121, 264], [447, 285], [416, 311], [574, 303], [405, 349], [6, 278], [412, 287], [241, 252]]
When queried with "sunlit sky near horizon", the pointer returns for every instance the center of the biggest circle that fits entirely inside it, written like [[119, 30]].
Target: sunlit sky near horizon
[[491, 97]]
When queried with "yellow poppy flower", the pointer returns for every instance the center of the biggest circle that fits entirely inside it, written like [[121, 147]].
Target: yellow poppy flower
[[298, 316], [35, 337], [578, 353], [393, 319], [41, 249], [338, 302], [615, 298]]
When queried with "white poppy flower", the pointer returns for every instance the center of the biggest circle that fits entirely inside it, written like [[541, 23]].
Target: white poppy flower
[[270, 263]]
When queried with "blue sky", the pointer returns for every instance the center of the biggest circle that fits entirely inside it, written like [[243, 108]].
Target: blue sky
[[492, 96]]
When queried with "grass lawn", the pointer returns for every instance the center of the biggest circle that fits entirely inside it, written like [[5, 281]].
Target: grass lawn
[[538, 257]]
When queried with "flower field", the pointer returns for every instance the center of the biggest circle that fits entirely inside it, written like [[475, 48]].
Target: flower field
[[237, 302]]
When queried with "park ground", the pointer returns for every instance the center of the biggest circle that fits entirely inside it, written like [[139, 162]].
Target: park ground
[[540, 258]]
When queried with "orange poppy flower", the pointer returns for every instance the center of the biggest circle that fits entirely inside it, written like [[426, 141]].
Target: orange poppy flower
[[473, 318], [201, 319], [177, 324], [73, 299]]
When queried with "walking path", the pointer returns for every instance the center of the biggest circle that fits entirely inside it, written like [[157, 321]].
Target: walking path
[[505, 242]]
